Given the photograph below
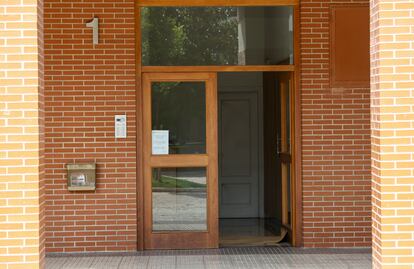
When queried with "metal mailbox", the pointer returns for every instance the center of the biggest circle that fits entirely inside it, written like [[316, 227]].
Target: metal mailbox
[[81, 177]]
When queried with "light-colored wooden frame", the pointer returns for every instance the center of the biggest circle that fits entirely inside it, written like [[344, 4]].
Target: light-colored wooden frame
[[286, 155], [182, 240], [178, 3], [246, 68], [296, 101], [284, 88], [296, 138]]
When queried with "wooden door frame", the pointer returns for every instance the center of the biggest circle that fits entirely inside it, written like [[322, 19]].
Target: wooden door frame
[[297, 239]]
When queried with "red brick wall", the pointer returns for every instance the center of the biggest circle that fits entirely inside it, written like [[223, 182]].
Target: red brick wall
[[86, 87], [336, 142]]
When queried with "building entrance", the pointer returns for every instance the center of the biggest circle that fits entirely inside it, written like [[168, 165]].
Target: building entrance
[[217, 132]]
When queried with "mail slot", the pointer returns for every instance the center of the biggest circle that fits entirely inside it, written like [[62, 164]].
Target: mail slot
[[81, 177]]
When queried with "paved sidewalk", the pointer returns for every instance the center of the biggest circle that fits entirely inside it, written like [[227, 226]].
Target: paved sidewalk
[[246, 258]]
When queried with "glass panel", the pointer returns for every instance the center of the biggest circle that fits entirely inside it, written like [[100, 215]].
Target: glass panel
[[178, 118], [191, 36], [179, 199]]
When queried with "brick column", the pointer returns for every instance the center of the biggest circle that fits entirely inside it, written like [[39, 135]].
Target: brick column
[[392, 114], [21, 134]]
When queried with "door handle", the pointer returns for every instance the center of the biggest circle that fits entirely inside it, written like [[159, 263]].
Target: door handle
[[278, 144]]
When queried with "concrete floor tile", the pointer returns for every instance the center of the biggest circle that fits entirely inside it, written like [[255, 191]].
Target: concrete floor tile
[[227, 258]]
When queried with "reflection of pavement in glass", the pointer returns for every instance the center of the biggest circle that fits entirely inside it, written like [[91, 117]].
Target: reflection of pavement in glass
[[198, 180], [179, 211], [195, 179]]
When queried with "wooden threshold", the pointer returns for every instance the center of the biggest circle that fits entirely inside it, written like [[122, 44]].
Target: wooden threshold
[[248, 68], [163, 3]]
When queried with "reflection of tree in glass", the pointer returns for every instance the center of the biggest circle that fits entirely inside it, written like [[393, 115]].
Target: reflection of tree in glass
[[180, 108], [189, 36]]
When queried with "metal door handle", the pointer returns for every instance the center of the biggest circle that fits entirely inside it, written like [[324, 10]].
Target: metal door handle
[[278, 144]]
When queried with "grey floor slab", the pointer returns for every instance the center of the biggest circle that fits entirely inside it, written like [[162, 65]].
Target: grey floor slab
[[231, 258]]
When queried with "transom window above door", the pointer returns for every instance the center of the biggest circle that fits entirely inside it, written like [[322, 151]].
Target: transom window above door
[[217, 36]]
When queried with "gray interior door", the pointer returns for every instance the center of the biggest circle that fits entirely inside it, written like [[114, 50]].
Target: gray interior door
[[238, 155]]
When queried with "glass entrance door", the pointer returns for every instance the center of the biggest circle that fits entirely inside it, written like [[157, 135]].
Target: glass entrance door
[[180, 160]]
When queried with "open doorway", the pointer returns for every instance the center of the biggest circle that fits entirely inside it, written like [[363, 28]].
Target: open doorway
[[254, 158]]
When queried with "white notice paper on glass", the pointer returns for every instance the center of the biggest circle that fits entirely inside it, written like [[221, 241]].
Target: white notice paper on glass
[[160, 142]]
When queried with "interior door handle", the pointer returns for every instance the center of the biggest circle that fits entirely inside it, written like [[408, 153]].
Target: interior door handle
[[278, 145]]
